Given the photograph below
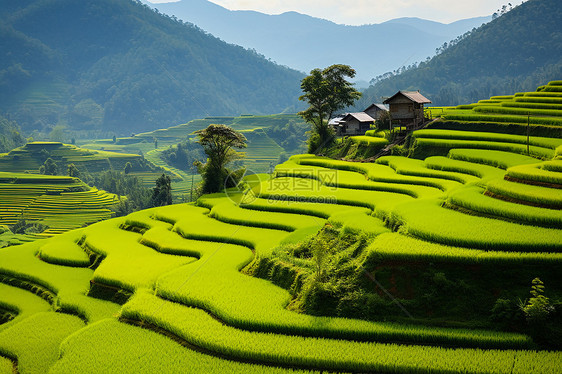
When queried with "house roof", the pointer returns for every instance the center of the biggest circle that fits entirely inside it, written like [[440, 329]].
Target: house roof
[[415, 96], [380, 106], [360, 116], [336, 120]]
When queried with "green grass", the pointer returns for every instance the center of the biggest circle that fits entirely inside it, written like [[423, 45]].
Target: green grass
[[24, 303], [457, 229], [227, 211], [499, 159], [536, 108], [474, 199], [544, 196], [377, 173], [428, 146], [487, 137], [201, 329], [69, 284], [398, 247], [61, 203], [547, 172], [409, 166], [64, 252], [118, 268], [370, 140], [381, 178], [129, 349], [465, 167], [297, 207], [187, 265], [6, 366], [35, 341], [381, 202]]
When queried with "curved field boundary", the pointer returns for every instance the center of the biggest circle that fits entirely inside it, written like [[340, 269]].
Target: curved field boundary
[[542, 196], [397, 247], [453, 228], [546, 173], [478, 170], [543, 142], [376, 172], [200, 329], [474, 199], [494, 158], [130, 349], [430, 145]]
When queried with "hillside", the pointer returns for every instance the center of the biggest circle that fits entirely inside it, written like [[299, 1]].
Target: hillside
[[404, 264], [269, 138], [10, 136], [59, 203], [516, 52], [304, 43], [30, 157], [116, 67]]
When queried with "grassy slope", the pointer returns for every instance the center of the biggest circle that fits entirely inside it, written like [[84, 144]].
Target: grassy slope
[[262, 152], [183, 263], [61, 203]]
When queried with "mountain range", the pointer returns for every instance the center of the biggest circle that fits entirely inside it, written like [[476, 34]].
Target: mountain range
[[117, 66], [303, 42], [516, 52]]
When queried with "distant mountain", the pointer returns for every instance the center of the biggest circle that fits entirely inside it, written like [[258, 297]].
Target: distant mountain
[[304, 43], [516, 52], [117, 66]]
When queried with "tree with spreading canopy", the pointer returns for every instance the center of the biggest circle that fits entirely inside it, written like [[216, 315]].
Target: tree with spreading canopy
[[162, 193], [326, 91], [49, 167], [218, 142]]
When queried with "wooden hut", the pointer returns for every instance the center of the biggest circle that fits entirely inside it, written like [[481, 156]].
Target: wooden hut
[[406, 108], [354, 124], [376, 110]]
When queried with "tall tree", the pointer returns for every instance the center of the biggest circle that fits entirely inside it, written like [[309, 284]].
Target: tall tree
[[49, 167], [218, 142], [162, 193], [326, 91], [72, 171]]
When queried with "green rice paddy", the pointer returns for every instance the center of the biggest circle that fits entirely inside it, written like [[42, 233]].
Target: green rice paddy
[[167, 289]]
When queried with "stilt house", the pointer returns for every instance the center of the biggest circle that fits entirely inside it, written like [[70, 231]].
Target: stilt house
[[406, 109]]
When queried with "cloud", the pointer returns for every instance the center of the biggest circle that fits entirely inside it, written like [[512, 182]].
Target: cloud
[[356, 12]]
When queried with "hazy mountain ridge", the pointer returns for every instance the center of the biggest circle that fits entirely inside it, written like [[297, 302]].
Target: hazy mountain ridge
[[118, 66], [303, 42], [516, 52]]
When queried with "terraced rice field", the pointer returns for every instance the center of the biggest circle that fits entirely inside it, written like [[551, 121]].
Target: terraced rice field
[[262, 153], [31, 156], [61, 203], [167, 289], [192, 310], [539, 109]]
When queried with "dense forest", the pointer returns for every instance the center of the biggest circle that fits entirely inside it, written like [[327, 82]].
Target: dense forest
[[184, 154], [10, 136], [119, 66], [509, 54]]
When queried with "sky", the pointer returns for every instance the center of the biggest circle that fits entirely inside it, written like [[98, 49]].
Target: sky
[[360, 12]]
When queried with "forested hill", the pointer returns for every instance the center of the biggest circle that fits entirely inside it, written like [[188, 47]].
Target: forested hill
[[117, 65], [516, 52]]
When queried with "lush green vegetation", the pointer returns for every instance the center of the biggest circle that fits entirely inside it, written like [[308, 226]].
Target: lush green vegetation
[[271, 139], [59, 203], [398, 265], [510, 54], [126, 68], [10, 136]]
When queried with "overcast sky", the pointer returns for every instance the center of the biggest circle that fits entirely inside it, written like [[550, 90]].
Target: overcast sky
[[358, 12]]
